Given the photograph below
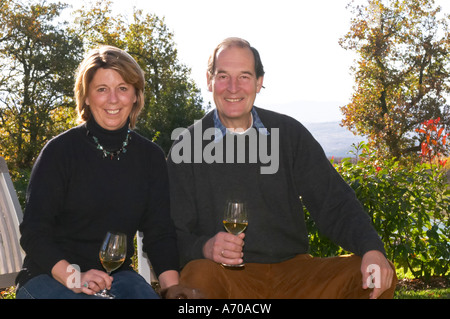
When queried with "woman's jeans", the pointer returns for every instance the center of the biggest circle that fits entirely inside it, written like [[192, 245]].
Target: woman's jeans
[[127, 284]]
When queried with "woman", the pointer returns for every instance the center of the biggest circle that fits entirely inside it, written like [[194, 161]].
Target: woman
[[94, 178]]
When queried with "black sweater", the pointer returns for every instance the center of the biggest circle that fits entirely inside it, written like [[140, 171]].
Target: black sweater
[[276, 229], [75, 196]]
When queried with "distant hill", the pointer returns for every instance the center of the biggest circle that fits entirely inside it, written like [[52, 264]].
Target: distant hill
[[336, 140]]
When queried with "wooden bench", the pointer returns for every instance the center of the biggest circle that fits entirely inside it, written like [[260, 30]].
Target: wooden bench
[[11, 254], [144, 265]]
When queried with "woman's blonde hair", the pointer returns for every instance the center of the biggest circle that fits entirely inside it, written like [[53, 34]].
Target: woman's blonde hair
[[109, 57]]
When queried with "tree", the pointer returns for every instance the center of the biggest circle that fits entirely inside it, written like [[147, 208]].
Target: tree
[[37, 59], [172, 99], [401, 75]]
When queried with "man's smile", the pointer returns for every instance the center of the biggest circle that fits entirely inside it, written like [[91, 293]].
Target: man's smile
[[234, 100]]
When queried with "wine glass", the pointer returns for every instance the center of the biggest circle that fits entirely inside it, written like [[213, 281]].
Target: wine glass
[[235, 221], [112, 255]]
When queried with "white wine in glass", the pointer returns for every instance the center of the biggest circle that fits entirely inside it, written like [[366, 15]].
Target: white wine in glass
[[112, 255], [235, 221]]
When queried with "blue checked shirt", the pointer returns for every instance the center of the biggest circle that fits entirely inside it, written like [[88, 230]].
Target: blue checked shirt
[[222, 130]]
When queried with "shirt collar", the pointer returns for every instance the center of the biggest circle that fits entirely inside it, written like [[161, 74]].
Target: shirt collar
[[221, 130]]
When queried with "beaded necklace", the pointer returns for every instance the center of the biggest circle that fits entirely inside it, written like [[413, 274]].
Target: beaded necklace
[[113, 154]]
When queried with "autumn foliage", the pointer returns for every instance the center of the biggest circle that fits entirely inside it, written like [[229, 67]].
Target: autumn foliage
[[401, 72], [435, 142]]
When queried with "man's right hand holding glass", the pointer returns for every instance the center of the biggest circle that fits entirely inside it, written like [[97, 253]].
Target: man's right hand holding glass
[[225, 248]]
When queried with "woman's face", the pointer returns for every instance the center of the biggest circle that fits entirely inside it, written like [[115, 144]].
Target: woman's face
[[110, 99]]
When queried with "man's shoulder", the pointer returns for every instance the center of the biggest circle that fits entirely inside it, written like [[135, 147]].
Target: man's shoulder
[[203, 123], [273, 119]]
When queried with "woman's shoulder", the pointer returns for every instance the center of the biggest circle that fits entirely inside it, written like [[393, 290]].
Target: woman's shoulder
[[59, 149], [65, 140]]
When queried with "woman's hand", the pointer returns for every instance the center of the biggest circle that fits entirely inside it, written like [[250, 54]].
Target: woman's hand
[[171, 289], [93, 281], [89, 282]]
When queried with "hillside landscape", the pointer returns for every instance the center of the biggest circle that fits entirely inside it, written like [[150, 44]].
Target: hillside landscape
[[336, 140]]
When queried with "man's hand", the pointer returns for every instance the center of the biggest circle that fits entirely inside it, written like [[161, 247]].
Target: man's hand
[[225, 248], [377, 273]]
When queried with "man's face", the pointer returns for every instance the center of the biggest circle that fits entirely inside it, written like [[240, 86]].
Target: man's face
[[234, 86]]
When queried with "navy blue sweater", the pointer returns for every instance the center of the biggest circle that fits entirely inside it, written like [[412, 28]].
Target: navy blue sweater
[[276, 229], [75, 196]]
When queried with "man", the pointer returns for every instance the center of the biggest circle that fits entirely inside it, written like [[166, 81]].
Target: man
[[271, 162]]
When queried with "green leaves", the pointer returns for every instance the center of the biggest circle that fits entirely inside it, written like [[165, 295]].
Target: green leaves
[[172, 99], [37, 58], [39, 54], [409, 207], [401, 72]]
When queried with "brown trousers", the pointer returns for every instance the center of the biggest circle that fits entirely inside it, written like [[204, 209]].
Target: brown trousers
[[300, 277]]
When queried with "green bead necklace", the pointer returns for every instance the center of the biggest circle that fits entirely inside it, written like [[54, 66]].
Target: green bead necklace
[[113, 154]]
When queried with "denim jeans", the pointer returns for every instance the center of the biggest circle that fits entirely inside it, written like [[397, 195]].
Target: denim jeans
[[127, 284]]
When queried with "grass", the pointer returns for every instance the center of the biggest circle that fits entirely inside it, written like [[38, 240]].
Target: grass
[[404, 293], [410, 288], [8, 293]]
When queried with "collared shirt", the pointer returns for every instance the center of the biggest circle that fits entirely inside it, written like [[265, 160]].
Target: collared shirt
[[221, 130]]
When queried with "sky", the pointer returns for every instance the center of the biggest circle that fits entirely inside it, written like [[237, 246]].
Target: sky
[[307, 71]]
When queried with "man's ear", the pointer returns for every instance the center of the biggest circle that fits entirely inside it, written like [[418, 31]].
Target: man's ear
[[259, 84], [209, 81]]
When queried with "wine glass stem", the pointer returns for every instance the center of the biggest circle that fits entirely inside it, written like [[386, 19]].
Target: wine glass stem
[[109, 274]]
